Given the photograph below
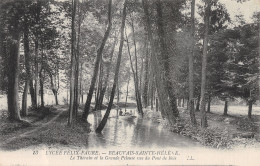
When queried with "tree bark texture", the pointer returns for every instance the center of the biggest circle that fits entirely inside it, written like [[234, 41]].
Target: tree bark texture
[[164, 58], [13, 75]]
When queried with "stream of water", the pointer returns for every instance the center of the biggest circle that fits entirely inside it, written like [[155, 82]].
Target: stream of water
[[133, 131]]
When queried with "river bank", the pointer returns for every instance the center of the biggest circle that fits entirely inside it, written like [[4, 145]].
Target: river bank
[[223, 132]]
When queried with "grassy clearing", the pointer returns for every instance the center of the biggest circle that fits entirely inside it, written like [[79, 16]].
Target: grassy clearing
[[235, 110], [53, 133]]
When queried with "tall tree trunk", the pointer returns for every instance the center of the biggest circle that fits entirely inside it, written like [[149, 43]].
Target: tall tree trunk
[[118, 95], [67, 90], [209, 101], [198, 104], [164, 58], [191, 64], [250, 105], [127, 92], [152, 93], [204, 66], [156, 104], [226, 108], [97, 63], [27, 68], [99, 87], [36, 44], [259, 54], [73, 64], [13, 76], [36, 72], [41, 86], [141, 77], [104, 120], [32, 93], [77, 56], [146, 78], [80, 84], [24, 100]]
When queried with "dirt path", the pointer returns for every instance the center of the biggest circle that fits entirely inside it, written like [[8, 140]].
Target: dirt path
[[36, 128]]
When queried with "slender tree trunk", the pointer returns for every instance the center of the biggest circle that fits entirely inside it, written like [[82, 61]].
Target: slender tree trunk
[[118, 95], [13, 76], [146, 79], [77, 56], [127, 92], [250, 105], [141, 78], [36, 71], [80, 83], [27, 68], [97, 63], [72, 67], [67, 90], [209, 101], [152, 93], [191, 64], [204, 66], [41, 87], [24, 101], [156, 104], [226, 108], [32, 93], [76, 85], [198, 104], [259, 54], [104, 120], [99, 88]]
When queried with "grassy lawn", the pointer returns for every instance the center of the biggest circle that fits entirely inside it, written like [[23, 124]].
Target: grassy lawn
[[235, 110]]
